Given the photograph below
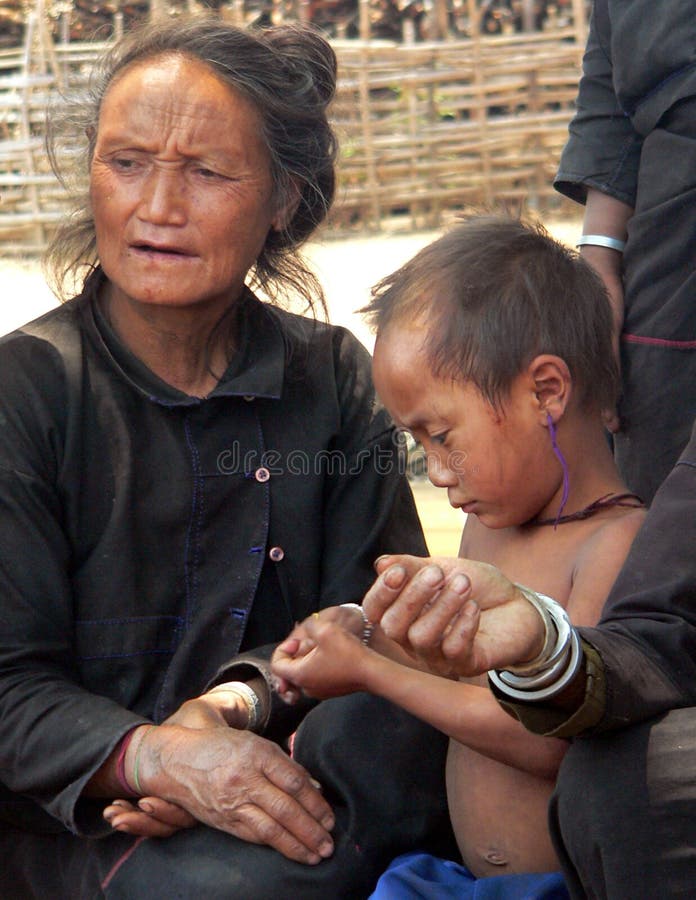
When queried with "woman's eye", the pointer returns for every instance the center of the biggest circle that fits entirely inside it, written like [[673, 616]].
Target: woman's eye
[[124, 163], [439, 438]]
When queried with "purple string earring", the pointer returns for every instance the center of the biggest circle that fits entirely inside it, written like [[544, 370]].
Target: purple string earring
[[564, 466]]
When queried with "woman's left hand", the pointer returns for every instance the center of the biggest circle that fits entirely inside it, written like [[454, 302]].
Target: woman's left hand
[[149, 817]]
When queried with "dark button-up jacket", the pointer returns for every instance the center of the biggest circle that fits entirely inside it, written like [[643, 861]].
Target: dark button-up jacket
[[640, 60], [147, 536]]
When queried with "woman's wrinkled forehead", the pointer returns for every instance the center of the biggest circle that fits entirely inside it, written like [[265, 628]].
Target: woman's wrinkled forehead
[[181, 96], [162, 66]]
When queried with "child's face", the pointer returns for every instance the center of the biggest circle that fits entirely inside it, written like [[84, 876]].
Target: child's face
[[496, 464]]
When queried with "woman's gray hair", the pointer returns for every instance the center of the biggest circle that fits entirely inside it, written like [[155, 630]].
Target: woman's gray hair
[[287, 72]]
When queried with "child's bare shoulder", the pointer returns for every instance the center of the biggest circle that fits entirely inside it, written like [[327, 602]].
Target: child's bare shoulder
[[599, 558], [613, 535]]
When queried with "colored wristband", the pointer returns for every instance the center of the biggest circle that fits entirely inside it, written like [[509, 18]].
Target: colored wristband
[[121, 762], [136, 763]]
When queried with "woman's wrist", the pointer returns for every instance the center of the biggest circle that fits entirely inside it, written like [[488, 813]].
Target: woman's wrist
[[239, 705], [132, 766]]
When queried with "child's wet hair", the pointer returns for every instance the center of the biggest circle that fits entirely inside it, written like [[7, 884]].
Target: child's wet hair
[[495, 292]]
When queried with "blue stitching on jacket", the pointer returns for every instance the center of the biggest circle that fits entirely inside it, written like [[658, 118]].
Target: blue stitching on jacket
[[126, 620], [193, 533], [126, 655]]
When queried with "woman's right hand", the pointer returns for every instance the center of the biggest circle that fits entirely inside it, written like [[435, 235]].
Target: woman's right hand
[[229, 779], [237, 782], [457, 615]]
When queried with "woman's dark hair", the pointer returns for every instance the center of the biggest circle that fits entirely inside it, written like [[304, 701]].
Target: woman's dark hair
[[493, 293], [288, 73]]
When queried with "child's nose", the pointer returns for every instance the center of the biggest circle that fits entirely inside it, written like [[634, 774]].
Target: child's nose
[[439, 472]]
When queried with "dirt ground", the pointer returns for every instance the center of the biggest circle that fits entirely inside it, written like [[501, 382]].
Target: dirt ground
[[347, 269]]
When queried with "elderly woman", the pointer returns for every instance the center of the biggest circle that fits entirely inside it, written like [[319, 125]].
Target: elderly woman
[[185, 471]]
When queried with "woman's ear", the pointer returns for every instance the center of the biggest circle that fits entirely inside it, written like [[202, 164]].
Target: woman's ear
[[287, 206], [553, 386]]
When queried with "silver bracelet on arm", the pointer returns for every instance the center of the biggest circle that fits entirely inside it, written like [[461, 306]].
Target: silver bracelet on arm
[[250, 698], [601, 240], [368, 627], [554, 668]]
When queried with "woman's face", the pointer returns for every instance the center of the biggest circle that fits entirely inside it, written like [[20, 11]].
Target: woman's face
[[180, 186]]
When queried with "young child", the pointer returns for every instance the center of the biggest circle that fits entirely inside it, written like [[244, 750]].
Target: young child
[[494, 349]]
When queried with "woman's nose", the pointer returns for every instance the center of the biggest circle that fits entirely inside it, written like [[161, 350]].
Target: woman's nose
[[163, 199]]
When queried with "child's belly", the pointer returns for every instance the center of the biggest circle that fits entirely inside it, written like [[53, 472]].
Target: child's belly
[[499, 815]]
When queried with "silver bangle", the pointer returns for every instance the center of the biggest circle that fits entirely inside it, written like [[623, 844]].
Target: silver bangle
[[251, 701], [601, 240], [368, 627], [564, 671], [557, 626]]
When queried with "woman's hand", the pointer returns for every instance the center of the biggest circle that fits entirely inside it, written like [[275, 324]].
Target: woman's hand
[[327, 661], [149, 817], [457, 615], [220, 707], [231, 780]]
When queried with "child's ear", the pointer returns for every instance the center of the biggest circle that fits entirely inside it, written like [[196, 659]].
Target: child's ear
[[553, 385], [287, 208]]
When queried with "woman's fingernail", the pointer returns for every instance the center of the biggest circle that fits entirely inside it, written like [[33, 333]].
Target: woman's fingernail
[[471, 609], [146, 807], [432, 575], [459, 583], [326, 848], [395, 576]]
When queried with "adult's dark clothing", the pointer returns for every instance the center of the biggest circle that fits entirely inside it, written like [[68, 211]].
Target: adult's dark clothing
[[634, 138], [623, 816], [147, 536]]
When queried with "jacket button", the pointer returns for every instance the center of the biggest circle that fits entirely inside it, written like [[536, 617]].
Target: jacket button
[[276, 553], [262, 474]]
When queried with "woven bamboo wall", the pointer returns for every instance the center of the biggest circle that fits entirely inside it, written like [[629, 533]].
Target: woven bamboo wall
[[425, 129]]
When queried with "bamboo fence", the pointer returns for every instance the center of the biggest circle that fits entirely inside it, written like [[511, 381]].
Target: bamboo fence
[[426, 130]]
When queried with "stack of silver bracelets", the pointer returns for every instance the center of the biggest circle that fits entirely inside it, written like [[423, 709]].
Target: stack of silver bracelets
[[557, 664]]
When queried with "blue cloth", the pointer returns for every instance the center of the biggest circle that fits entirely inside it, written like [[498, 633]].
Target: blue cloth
[[415, 876]]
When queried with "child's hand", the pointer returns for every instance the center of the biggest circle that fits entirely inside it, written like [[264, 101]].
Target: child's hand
[[330, 665], [151, 817], [301, 641]]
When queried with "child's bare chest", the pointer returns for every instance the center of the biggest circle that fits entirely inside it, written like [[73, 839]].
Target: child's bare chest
[[541, 558]]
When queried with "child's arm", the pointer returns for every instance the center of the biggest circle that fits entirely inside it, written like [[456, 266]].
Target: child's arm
[[339, 663]]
